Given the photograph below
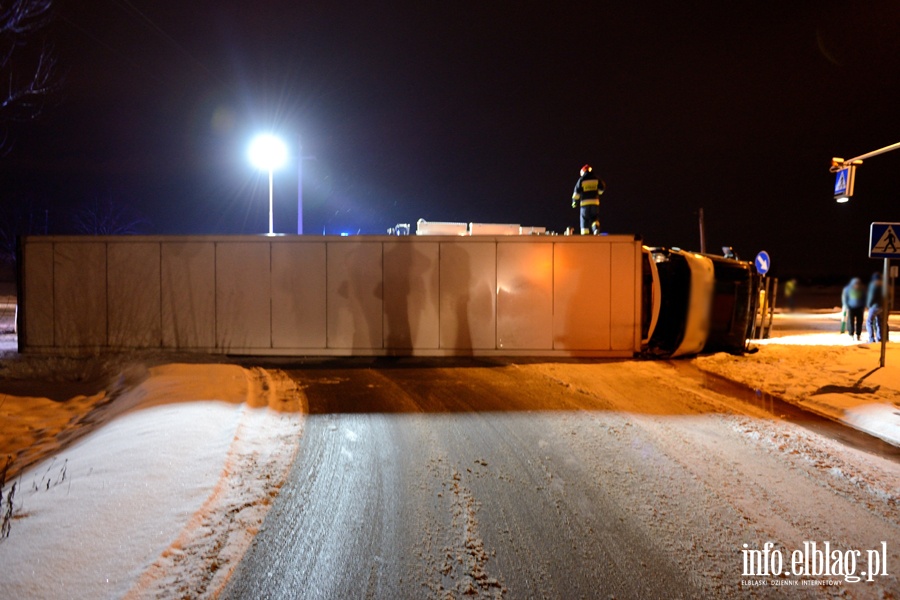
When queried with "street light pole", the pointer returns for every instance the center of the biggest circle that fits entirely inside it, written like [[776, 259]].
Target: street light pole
[[268, 153], [271, 204], [300, 159]]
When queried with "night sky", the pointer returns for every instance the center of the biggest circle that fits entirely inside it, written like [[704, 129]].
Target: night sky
[[476, 111]]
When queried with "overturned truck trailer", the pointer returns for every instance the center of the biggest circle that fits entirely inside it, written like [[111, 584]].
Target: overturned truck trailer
[[429, 295], [696, 303], [364, 295]]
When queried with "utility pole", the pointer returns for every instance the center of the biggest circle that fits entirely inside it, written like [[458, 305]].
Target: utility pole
[[886, 307], [702, 234], [300, 159]]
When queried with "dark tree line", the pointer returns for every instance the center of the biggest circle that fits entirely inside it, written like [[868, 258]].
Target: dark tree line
[[107, 217], [100, 216]]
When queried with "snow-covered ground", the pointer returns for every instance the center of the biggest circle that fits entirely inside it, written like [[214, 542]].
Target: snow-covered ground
[[152, 479], [151, 487], [828, 373]]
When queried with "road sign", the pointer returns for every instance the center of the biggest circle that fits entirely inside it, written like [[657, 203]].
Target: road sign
[[763, 262], [883, 241], [843, 182]]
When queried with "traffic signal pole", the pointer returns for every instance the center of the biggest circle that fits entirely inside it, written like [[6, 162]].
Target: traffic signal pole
[[839, 163]]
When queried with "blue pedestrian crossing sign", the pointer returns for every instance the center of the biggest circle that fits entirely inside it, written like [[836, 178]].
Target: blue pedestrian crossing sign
[[762, 262], [883, 241], [843, 183]]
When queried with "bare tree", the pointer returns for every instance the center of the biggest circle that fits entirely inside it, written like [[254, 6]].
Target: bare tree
[[106, 217], [27, 62]]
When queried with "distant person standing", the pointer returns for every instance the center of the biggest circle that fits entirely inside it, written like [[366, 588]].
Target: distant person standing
[[588, 190], [790, 288], [853, 299], [874, 301]]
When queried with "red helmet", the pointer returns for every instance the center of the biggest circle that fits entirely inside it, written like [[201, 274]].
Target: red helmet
[[586, 169]]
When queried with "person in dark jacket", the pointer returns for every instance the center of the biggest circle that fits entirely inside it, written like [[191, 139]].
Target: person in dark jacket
[[874, 303], [588, 190], [853, 299]]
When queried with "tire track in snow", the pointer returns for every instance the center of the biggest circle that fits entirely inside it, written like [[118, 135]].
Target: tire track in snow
[[200, 561]]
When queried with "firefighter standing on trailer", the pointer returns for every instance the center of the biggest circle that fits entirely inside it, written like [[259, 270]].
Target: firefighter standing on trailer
[[587, 193]]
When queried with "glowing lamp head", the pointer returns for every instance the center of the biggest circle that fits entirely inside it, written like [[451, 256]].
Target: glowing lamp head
[[267, 152]]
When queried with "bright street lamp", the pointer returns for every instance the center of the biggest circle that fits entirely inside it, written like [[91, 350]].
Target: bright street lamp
[[267, 152]]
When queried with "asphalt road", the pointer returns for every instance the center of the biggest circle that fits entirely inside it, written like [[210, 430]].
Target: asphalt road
[[434, 479]]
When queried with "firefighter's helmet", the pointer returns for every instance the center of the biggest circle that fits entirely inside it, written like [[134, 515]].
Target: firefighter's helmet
[[585, 169]]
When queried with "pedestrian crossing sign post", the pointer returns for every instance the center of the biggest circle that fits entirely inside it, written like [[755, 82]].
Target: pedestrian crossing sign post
[[843, 183], [883, 243], [883, 240]]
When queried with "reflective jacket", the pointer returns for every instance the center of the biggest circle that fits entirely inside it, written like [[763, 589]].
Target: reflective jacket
[[854, 295], [588, 189]]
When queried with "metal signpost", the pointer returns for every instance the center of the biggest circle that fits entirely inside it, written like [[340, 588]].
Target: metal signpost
[[763, 263], [883, 243]]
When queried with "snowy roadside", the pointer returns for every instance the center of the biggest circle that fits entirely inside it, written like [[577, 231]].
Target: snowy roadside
[[152, 487], [826, 373]]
